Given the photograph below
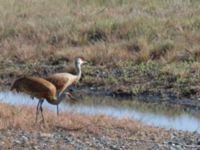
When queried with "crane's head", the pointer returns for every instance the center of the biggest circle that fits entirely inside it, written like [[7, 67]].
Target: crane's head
[[72, 98], [80, 61]]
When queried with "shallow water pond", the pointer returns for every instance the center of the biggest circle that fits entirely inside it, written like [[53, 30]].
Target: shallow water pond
[[150, 114]]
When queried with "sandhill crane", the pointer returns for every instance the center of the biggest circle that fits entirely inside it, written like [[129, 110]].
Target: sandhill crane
[[39, 88], [64, 80]]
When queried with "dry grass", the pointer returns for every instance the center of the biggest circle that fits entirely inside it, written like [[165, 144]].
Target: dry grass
[[23, 118], [101, 31]]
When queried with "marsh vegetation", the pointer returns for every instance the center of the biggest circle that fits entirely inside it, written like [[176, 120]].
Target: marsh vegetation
[[135, 47]]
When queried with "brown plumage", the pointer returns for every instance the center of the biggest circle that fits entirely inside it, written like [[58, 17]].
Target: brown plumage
[[39, 88], [64, 80]]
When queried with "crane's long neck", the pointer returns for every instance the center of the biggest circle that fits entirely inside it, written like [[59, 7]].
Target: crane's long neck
[[78, 70]]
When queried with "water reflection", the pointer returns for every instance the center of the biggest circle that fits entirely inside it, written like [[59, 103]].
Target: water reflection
[[151, 114]]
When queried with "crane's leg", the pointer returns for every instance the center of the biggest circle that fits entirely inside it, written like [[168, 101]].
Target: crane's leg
[[57, 110], [41, 109], [37, 111]]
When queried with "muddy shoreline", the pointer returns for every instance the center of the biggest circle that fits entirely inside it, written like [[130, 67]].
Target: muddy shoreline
[[118, 82], [79, 91], [189, 104], [185, 103]]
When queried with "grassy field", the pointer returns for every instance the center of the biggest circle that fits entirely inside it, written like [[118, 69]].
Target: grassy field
[[153, 44], [134, 48]]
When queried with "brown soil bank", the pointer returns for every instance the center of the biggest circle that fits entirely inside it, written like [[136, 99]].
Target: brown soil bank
[[76, 131]]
